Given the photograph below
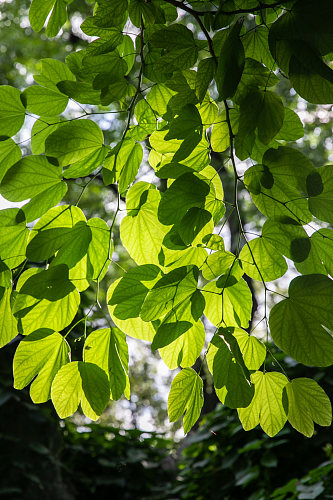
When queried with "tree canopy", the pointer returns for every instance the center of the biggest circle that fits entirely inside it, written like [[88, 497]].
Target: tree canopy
[[192, 81]]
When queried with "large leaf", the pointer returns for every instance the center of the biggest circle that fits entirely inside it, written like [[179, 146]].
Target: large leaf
[[307, 403], [52, 72], [84, 383], [107, 349], [172, 289], [185, 397], [133, 327], [74, 141], [252, 349], [185, 350], [266, 407], [186, 192], [40, 354], [300, 324], [231, 63], [141, 231], [33, 313], [43, 101], [260, 260], [29, 177], [230, 306], [130, 292]]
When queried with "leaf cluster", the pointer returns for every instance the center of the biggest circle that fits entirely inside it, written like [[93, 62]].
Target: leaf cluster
[[184, 98]]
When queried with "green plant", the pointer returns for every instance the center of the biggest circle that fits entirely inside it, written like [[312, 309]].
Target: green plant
[[185, 93]]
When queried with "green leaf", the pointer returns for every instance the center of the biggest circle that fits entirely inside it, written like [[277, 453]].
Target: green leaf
[[307, 403], [10, 153], [110, 14], [34, 313], [5, 275], [82, 92], [141, 232], [231, 63], [288, 237], [309, 75], [185, 397], [231, 378], [130, 292], [185, 349], [179, 43], [13, 236], [292, 127], [107, 348], [52, 284], [133, 327], [185, 123], [300, 324], [261, 262], [220, 263], [320, 257], [87, 165], [253, 350], [172, 289], [205, 74], [43, 101], [256, 46], [29, 177], [40, 354], [273, 194], [8, 324], [52, 72], [57, 19], [12, 111], [39, 10], [74, 141], [84, 383], [263, 110], [231, 306], [126, 163], [54, 230], [192, 223], [320, 191], [186, 192], [266, 407], [41, 129]]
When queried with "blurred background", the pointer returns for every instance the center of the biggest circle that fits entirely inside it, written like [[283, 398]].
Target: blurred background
[[133, 452]]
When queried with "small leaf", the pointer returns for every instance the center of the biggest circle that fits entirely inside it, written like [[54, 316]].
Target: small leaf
[[231, 63], [107, 349], [40, 355], [185, 397]]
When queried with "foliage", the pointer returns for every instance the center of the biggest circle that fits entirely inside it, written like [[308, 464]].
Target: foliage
[[42, 457], [184, 97], [219, 461]]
